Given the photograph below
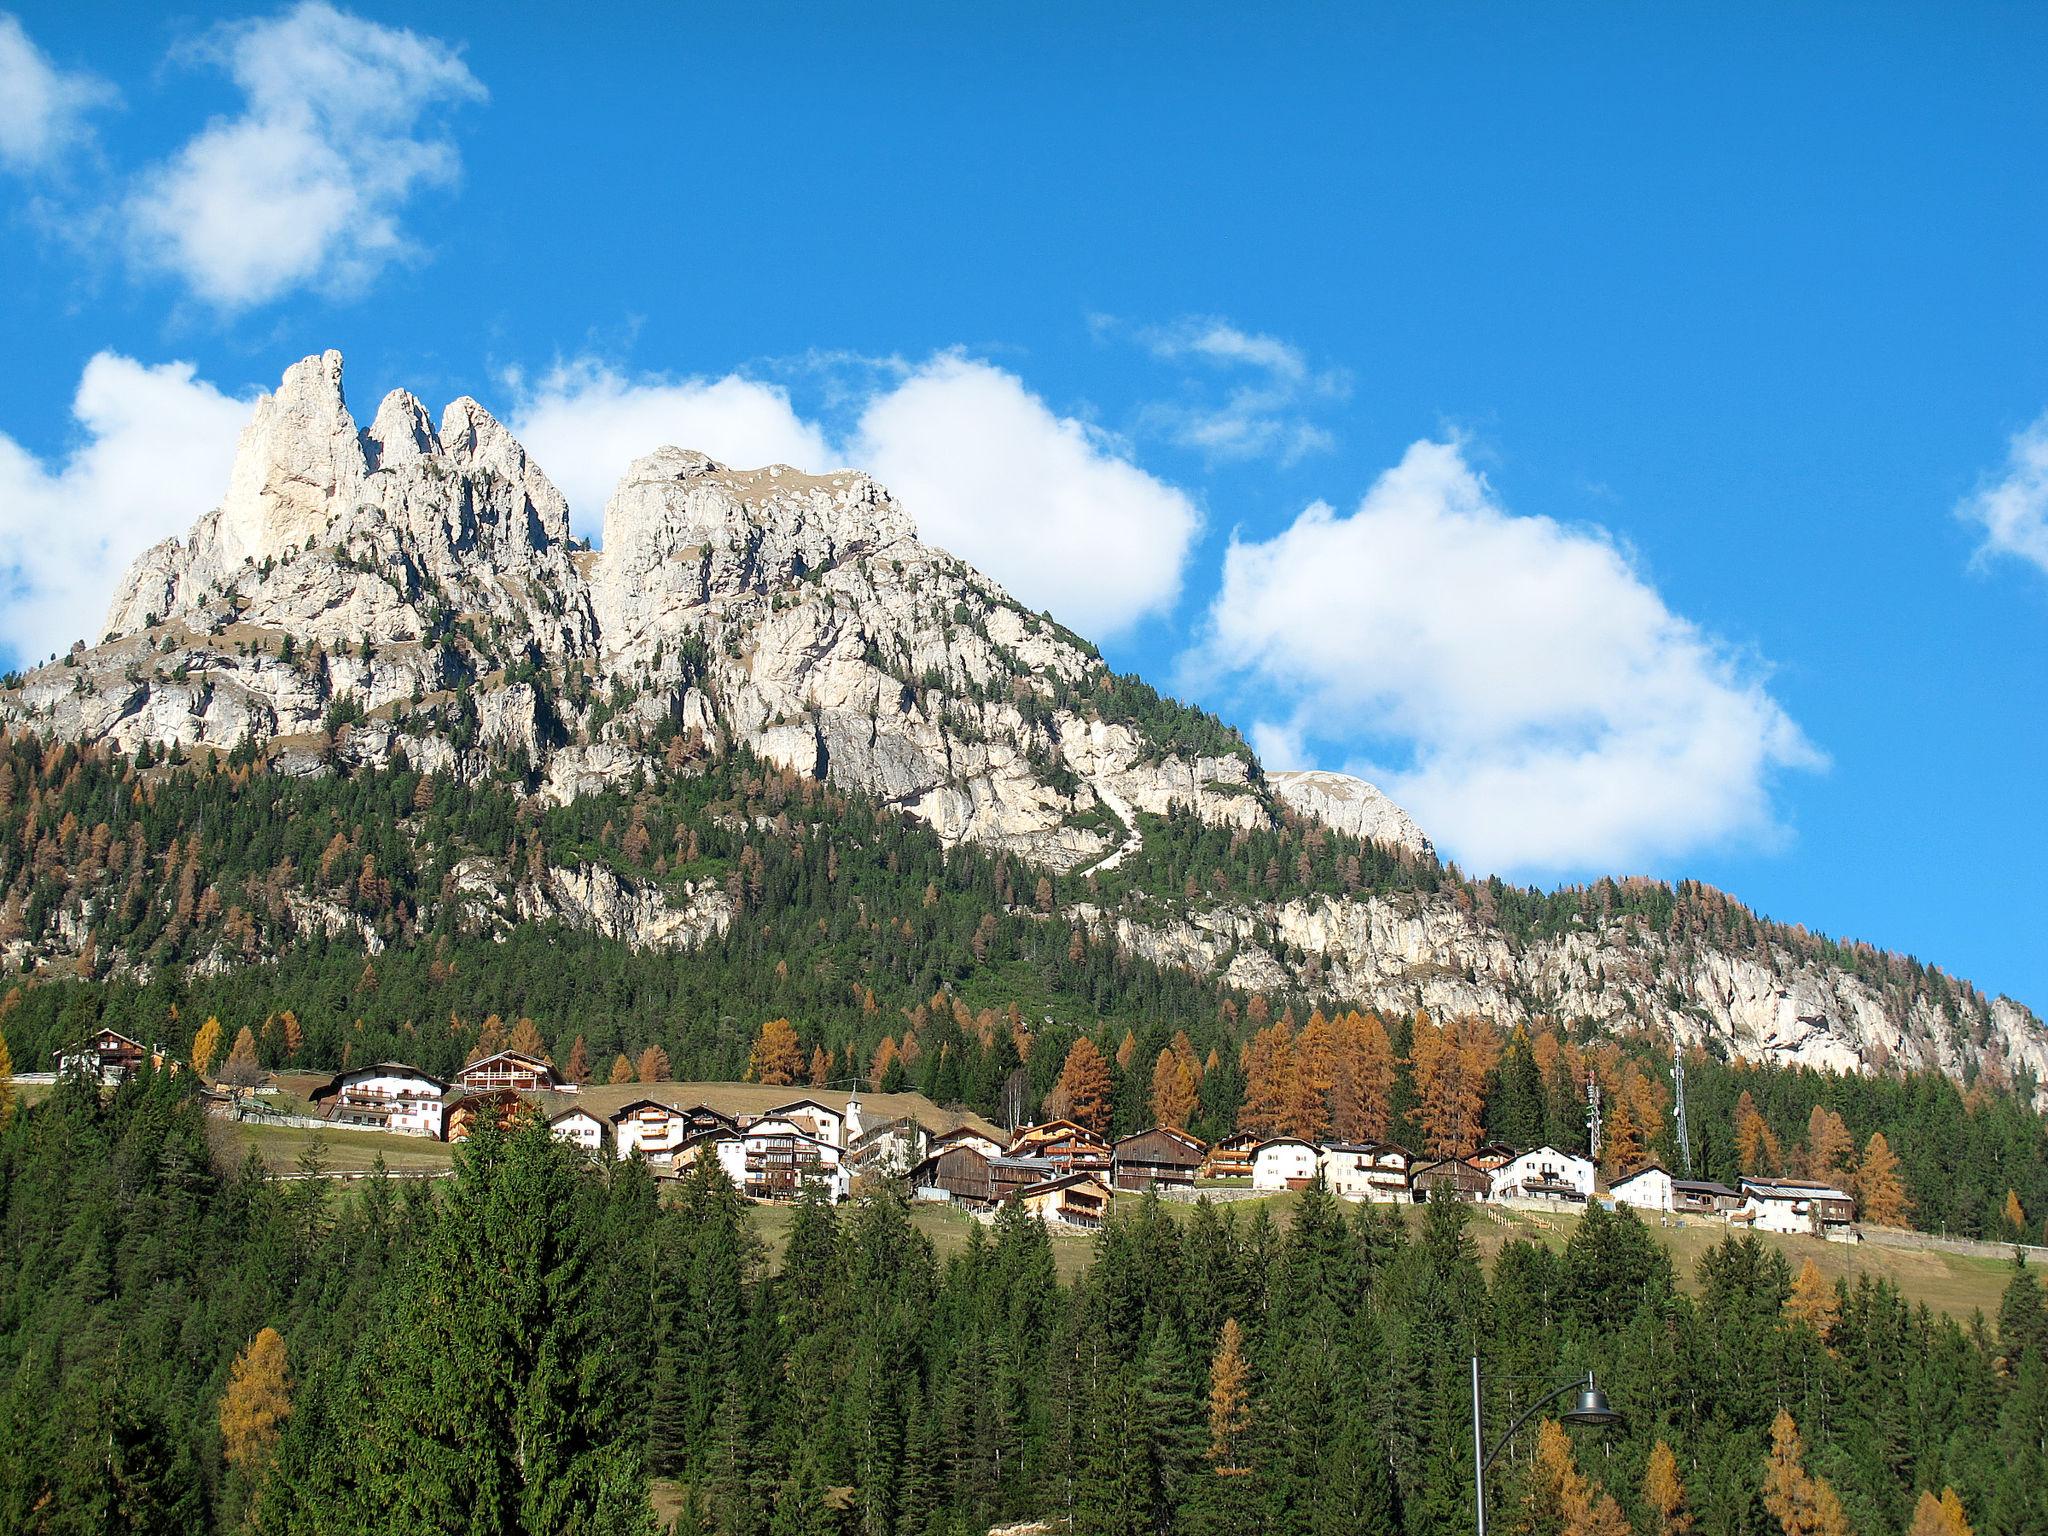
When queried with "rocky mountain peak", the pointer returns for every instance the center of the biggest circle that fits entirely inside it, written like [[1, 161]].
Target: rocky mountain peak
[[298, 464], [1350, 805], [403, 433]]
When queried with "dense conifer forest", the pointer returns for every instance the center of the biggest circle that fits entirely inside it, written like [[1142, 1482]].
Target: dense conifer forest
[[186, 1348]]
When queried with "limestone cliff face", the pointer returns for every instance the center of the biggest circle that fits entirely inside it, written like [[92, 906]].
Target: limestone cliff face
[[412, 586]]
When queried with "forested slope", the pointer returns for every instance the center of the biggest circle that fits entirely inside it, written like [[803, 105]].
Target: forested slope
[[524, 1349]]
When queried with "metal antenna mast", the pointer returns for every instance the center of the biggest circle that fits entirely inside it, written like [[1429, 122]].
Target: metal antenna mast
[[1678, 1086], [1593, 1116]]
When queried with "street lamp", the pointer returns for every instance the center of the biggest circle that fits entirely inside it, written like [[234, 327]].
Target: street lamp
[[1592, 1410]]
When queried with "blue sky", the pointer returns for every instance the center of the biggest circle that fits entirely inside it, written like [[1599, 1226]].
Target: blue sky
[[1623, 439]]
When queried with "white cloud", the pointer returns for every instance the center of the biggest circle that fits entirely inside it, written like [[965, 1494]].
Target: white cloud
[[1249, 395], [43, 109], [156, 446], [306, 186], [1043, 503], [585, 423], [2013, 510], [1556, 715]]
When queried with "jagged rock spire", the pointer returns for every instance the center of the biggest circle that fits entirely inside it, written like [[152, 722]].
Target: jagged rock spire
[[299, 465]]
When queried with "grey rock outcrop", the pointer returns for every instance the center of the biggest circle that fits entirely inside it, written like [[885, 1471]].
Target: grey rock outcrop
[[1351, 806]]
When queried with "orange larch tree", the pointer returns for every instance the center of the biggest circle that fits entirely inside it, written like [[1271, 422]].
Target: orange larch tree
[[1802, 1504], [1756, 1145], [1878, 1187], [777, 1058], [1230, 1413], [1269, 1082], [256, 1403], [1085, 1087], [1175, 1091]]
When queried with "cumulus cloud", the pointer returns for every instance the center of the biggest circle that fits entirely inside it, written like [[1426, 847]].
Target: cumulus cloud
[[1044, 503], [1529, 695], [2013, 509], [340, 128], [44, 110], [1243, 394], [155, 446], [585, 423]]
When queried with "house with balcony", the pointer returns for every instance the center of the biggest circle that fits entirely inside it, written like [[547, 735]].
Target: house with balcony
[[1368, 1170], [511, 1069], [1544, 1174], [389, 1096]]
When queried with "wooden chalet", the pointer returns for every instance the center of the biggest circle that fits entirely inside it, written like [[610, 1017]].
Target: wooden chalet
[[1077, 1199], [888, 1146], [1162, 1155], [1230, 1158], [960, 1173], [108, 1055], [1704, 1197], [1368, 1170], [511, 1069], [505, 1107], [1449, 1178], [1011, 1176], [1798, 1205], [389, 1096], [965, 1136], [1071, 1148]]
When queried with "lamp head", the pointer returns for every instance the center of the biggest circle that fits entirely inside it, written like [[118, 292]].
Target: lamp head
[[1592, 1408]]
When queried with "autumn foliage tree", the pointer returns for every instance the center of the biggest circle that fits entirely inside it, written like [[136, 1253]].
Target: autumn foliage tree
[[1270, 1092], [1362, 1093], [1664, 1494], [1084, 1091], [1812, 1300], [1230, 1413], [1802, 1504], [1560, 1497], [777, 1059], [1878, 1187], [256, 1403], [1941, 1516], [654, 1065], [1450, 1063], [241, 1070], [1830, 1150], [1176, 1089], [206, 1046], [578, 1068], [1756, 1145], [621, 1072], [526, 1040]]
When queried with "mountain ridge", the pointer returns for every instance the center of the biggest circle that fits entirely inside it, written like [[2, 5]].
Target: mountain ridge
[[411, 589]]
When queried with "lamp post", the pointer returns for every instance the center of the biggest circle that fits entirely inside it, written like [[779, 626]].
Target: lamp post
[[1591, 1409]]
